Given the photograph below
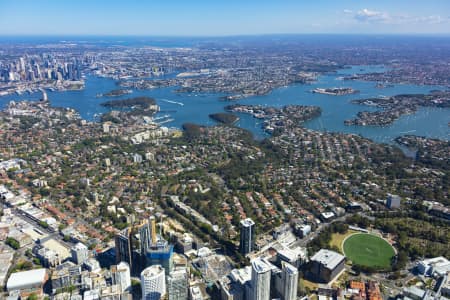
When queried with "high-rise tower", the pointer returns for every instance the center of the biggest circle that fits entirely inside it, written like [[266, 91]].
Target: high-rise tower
[[144, 237], [178, 284], [121, 275], [247, 236], [123, 247], [153, 283], [260, 282], [289, 277]]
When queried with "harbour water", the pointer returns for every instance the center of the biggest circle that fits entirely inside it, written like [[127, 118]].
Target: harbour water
[[195, 107]]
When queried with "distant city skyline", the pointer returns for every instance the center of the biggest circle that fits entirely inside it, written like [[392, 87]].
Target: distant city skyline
[[214, 18]]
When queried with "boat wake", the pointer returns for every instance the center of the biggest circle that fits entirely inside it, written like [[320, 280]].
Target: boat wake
[[410, 131], [173, 102]]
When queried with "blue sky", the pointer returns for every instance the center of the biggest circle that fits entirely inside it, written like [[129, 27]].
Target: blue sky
[[222, 17]]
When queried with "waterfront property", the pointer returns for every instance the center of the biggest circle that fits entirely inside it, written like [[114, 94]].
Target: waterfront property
[[196, 107]]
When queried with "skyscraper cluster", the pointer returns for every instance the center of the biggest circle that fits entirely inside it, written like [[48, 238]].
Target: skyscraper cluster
[[84, 277], [151, 256], [141, 246], [40, 67], [261, 281]]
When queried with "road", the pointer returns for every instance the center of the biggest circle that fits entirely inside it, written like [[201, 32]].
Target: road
[[304, 241], [49, 232]]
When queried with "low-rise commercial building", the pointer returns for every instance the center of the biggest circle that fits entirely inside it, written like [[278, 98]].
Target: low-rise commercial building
[[28, 282], [438, 266]]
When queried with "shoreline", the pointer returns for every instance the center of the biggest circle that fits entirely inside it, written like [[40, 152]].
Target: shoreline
[[95, 84]]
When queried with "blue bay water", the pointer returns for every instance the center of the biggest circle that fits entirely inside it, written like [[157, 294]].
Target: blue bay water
[[430, 122]]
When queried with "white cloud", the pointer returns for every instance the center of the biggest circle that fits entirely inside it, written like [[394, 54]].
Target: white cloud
[[373, 16], [434, 19]]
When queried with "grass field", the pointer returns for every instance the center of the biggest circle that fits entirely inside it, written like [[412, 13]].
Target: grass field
[[337, 239], [368, 250]]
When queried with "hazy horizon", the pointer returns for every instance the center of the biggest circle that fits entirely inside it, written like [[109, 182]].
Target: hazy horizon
[[200, 18], [378, 34]]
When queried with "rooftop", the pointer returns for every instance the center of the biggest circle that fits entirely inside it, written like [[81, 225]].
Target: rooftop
[[436, 261], [260, 265], [152, 271], [80, 246], [241, 275], [26, 278], [292, 254], [328, 258], [178, 273], [121, 267], [328, 215], [440, 264], [412, 290], [289, 268], [247, 222]]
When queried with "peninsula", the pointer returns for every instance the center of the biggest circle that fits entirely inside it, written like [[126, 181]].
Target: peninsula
[[277, 118], [335, 91], [142, 102], [396, 106], [228, 119], [116, 93]]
